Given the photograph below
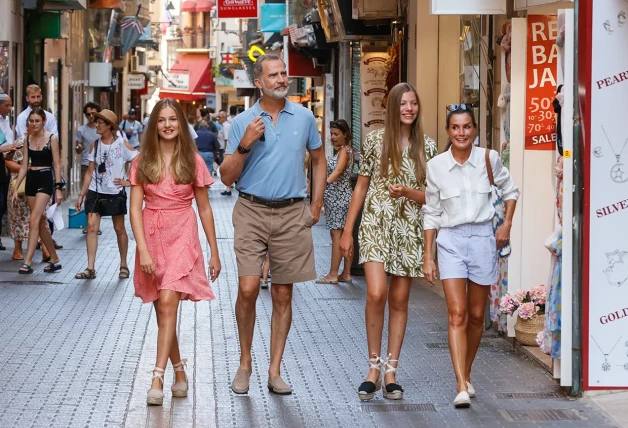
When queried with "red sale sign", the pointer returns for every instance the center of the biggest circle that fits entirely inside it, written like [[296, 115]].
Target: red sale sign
[[541, 82], [243, 9]]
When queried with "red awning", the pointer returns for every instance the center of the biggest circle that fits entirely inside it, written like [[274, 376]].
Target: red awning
[[188, 6], [199, 68], [205, 5]]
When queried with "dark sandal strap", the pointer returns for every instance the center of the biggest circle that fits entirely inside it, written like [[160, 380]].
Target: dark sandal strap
[[368, 387], [26, 268], [52, 267], [86, 274]]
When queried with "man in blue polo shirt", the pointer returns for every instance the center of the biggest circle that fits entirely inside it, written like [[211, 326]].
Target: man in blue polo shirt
[[265, 152]]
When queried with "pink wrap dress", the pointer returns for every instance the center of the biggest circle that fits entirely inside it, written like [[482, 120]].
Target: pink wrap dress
[[171, 232]]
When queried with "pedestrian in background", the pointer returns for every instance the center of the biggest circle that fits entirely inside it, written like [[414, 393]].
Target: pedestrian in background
[[223, 137], [103, 190], [458, 194], [6, 146], [169, 264], [132, 129], [390, 183], [205, 117], [40, 164], [19, 213], [263, 282], [207, 145], [86, 135], [34, 99], [233, 112], [265, 153], [337, 198]]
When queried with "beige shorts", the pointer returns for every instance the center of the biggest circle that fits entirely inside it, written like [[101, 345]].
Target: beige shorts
[[285, 233]]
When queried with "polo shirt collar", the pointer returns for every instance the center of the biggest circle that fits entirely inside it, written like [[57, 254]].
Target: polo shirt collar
[[288, 107], [473, 158]]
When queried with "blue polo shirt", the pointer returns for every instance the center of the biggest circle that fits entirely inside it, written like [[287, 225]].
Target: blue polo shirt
[[274, 168]]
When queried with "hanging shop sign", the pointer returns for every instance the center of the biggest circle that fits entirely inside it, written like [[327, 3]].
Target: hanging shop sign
[[243, 9], [210, 101], [241, 79], [542, 61], [136, 81], [524, 4], [373, 90], [177, 82], [273, 17], [468, 7], [605, 249], [107, 4]]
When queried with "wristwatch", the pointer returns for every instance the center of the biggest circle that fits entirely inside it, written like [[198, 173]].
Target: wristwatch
[[243, 150]]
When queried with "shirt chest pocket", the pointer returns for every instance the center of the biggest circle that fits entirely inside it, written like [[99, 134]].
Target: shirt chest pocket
[[450, 195], [484, 193]]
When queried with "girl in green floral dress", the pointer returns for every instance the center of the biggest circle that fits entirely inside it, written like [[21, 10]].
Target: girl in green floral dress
[[390, 186]]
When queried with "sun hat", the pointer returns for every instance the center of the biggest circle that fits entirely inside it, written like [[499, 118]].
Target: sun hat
[[109, 117]]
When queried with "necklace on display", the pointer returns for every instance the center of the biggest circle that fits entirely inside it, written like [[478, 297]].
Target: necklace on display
[[613, 258], [606, 366], [618, 175]]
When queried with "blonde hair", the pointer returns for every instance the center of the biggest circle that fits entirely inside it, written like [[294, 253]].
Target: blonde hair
[[151, 166], [391, 152], [31, 89]]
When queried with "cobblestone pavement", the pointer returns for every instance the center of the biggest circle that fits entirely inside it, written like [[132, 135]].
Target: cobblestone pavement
[[78, 354]]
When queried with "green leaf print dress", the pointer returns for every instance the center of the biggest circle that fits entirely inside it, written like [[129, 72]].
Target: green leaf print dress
[[391, 231]]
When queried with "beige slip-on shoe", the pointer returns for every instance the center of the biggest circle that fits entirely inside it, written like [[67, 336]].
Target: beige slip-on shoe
[[240, 384], [277, 386], [155, 397], [180, 389]]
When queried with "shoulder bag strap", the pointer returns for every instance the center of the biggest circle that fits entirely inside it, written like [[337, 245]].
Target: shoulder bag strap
[[489, 168]]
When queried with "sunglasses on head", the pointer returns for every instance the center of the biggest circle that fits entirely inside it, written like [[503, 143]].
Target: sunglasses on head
[[456, 107]]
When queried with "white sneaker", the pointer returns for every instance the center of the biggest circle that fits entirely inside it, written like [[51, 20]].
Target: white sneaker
[[462, 400], [471, 390]]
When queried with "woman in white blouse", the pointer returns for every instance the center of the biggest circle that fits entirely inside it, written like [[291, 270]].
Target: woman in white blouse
[[458, 202]]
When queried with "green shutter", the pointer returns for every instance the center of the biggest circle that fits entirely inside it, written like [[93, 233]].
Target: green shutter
[[356, 120]]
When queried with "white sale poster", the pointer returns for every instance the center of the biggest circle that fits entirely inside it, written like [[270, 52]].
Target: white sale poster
[[606, 332]]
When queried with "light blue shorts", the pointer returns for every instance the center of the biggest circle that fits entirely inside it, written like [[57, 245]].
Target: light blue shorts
[[468, 251]]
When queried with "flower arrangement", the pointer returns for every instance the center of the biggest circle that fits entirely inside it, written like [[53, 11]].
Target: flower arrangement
[[527, 302]]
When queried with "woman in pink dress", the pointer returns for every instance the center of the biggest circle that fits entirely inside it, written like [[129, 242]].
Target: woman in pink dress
[[166, 176]]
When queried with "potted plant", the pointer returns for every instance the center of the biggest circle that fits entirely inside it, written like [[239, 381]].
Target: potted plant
[[530, 308]]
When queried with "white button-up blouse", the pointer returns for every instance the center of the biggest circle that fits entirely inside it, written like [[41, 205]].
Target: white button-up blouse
[[461, 194]]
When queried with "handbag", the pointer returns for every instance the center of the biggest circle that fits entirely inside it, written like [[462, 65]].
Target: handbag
[[498, 204], [109, 206], [21, 191]]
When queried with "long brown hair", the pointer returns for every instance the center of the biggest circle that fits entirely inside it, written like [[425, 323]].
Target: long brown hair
[[391, 152], [151, 166]]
